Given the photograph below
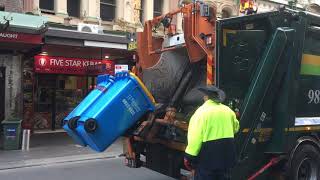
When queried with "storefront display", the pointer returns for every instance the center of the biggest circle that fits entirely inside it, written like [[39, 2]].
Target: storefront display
[[60, 84], [28, 106], [44, 89]]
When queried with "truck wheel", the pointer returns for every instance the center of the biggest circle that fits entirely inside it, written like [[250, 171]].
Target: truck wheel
[[305, 164]]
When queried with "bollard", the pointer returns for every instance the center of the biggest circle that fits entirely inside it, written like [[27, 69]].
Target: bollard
[[26, 139]]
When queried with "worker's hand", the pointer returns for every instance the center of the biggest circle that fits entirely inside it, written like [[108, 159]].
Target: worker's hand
[[187, 164]]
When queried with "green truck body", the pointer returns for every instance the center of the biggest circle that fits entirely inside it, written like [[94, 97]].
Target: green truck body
[[269, 66]]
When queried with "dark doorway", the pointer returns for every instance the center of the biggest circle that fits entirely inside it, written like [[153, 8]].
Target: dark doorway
[[2, 92]]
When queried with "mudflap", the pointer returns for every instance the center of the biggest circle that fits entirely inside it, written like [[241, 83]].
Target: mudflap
[[164, 160]]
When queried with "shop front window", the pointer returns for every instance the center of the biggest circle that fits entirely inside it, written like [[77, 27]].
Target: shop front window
[[45, 88], [69, 93], [57, 96]]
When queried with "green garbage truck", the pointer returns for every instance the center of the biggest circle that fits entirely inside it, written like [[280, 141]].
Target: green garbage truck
[[269, 66]]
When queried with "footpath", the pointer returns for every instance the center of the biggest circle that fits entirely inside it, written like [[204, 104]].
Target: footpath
[[53, 148]]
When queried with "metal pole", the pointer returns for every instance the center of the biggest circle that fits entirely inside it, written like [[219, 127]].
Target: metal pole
[[26, 139], [23, 140]]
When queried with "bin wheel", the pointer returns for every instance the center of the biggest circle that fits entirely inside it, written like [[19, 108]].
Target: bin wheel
[[305, 163], [90, 125], [72, 123]]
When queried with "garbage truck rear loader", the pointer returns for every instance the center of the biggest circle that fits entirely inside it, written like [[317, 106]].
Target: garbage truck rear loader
[[269, 66]]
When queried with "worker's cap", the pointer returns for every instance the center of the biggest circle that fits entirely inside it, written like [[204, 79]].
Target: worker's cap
[[213, 92]]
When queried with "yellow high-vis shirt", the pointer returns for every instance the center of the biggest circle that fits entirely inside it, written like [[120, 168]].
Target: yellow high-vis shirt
[[212, 121]]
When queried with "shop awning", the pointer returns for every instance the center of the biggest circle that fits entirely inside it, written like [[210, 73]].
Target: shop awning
[[21, 32], [59, 36], [22, 23]]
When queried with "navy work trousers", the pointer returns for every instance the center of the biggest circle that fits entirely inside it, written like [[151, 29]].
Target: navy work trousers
[[202, 174]]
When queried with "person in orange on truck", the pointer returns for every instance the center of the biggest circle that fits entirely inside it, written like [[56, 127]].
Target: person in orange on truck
[[248, 7]]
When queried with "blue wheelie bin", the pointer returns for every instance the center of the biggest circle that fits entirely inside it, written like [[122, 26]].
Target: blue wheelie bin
[[125, 102], [70, 122]]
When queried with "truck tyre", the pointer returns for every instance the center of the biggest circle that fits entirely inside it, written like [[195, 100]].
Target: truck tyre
[[305, 164]]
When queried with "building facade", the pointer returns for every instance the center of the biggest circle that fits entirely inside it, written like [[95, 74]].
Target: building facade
[[83, 37], [42, 81], [226, 8], [272, 5], [47, 96], [11, 5], [117, 15], [20, 38], [65, 38]]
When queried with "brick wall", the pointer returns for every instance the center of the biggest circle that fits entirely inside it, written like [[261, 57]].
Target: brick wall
[[12, 5], [28, 5]]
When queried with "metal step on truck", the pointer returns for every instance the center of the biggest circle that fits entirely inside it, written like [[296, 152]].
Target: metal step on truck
[[269, 66]]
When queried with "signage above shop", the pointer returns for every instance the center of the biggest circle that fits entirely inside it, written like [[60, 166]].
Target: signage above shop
[[104, 68], [132, 46], [76, 66], [20, 38], [121, 68]]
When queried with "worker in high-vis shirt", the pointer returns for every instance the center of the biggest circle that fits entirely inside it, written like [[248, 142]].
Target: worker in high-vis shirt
[[210, 153]]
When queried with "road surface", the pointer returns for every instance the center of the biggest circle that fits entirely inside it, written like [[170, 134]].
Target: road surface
[[99, 169]]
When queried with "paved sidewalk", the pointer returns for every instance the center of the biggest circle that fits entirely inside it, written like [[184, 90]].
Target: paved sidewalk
[[53, 148]]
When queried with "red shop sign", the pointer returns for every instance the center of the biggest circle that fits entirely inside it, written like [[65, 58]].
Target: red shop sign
[[101, 68], [77, 66], [20, 38]]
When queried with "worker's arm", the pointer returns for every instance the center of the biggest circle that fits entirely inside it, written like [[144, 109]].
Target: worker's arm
[[235, 124], [195, 134]]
